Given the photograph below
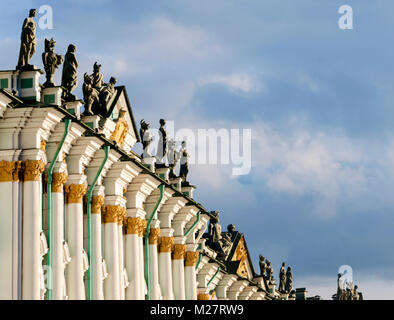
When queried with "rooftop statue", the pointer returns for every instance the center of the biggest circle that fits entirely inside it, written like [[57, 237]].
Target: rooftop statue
[[270, 272], [146, 138], [215, 235], [340, 288], [231, 230], [69, 74], [97, 77], [172, 157], [90, 94], [289, 280], [184, 169], [263, 265], [282, 278], [51, 62], [28, 42], [121, 129], [106, 94], [162, 148]]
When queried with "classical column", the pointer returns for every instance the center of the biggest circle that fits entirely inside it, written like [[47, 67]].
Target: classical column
[[121, 218], [133, 292], [10, 273], [112, 285], [190, 275], [141, 260], [32, 227], [56, 247], [74, 231], [154, 237], [165, 269], [96, 256], [178, 271]]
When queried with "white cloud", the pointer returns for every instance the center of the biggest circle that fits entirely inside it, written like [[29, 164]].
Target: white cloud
[[236, 81]]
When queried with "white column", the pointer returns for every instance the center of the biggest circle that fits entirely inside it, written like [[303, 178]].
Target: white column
[[10, 273], [56, 247], [121, 258], [165, 265], [96, 255], [190, 275], [32, 227], [75, 189], [178, 270], [112, 214], [154, 236], [133, 292]]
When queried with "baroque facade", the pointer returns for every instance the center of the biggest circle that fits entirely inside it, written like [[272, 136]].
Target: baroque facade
[[85, 217]]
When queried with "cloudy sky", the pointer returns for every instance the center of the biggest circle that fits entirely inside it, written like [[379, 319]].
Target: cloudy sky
[[319, 101]]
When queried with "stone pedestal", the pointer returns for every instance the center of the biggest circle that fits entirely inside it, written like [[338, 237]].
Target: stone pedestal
[[163, 172], [149, 162], [176, 183], [91, 121], [28, 85], [74, 107], [300, 293], [51, 96], [8, 80], [187, 190]]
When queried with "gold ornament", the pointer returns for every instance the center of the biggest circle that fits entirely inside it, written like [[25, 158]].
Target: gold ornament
[[74, 193]]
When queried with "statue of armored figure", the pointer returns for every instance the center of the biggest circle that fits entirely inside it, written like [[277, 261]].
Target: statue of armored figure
[[105, 95], [96, 93], [282, 278], [184, 169], [51, 62], [263, 265], [270, 272], [146, 138], [289, 280], [215, 235], [172, 158], [162, 147], [28, 42], [90, 94], [69, 74]]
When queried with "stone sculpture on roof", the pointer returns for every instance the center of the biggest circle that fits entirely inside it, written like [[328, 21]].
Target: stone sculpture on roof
[[282, 278], [69, 74], [51, 62], [28, 42]]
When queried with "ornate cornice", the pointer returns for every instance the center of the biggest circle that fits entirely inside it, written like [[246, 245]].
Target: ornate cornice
[[10, 171], [166, 244], [97, 203], [179, 252], [32, 170], [154, 236], [58, 180], [191, 258], [74, 193]]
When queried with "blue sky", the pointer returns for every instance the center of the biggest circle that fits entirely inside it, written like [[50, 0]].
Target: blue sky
[[319, 101]]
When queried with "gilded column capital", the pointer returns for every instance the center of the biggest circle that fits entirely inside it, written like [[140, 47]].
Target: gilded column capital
[[154, 236], [132, 225], [58, 180], [179, 252], [203, 296], [191, 258], [122, 216], [97, 203], [10, 171], [74, 193], [166, 244], [142, 230], [112, 214], [33, 169]]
